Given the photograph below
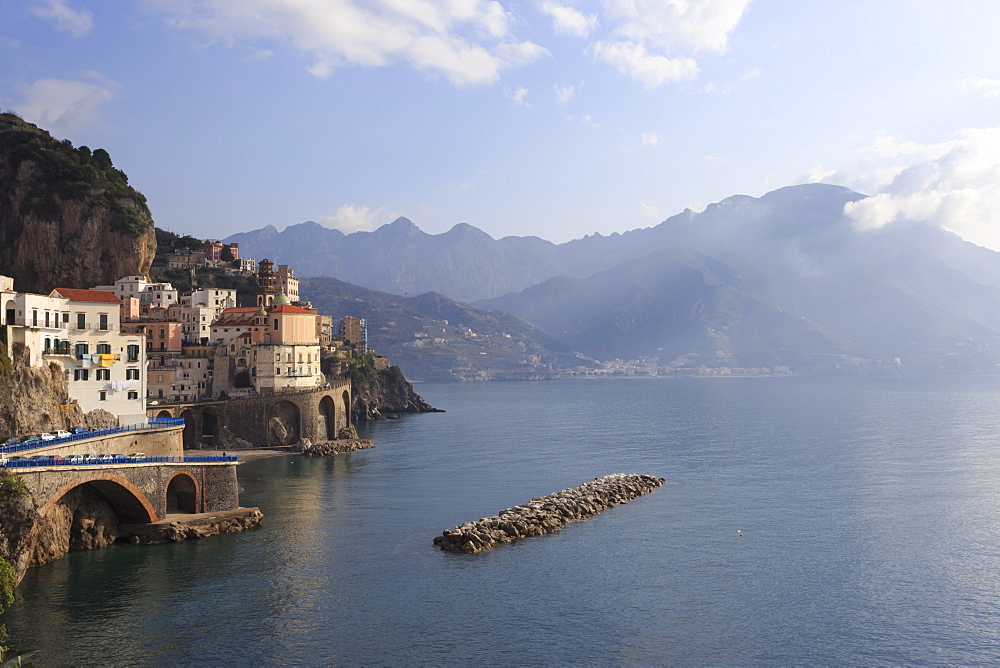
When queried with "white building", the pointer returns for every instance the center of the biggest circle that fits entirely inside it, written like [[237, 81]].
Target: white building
[[80, 331], [149, 294]]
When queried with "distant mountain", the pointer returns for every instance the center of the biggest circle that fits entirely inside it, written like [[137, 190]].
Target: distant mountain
[[914, 293], [464, 263], [432, 337], [685, 308], [786, 276]]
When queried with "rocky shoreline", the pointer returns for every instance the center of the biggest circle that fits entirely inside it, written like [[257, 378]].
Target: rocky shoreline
[[177, 528], [328, 448], [547, 514]]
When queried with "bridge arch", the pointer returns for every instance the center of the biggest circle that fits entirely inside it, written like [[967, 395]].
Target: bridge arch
[[190, 428], [284, 423], [182, 493], [164, 414], [347, 408], [212, 420], [326, 424], [129, 503]]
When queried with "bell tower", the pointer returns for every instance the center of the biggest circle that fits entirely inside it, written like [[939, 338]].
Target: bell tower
[[266, 289]]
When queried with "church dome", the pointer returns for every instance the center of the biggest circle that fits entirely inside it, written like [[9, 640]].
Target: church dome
[[261, 313], [281, 299]]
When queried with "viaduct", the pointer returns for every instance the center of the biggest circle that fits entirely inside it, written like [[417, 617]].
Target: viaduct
[[319, 414], [140, 490]]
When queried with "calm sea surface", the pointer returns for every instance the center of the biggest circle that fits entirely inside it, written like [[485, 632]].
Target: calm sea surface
[[870, 512]]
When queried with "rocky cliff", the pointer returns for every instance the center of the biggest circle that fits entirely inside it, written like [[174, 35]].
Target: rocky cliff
[[31, 397], [67, 216], [380, 393]]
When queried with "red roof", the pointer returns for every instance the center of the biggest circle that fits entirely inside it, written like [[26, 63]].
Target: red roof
[[78, 295], [288, 308], [242, 309]]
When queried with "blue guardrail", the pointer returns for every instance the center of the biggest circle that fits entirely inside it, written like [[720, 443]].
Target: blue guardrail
[[152, 423]]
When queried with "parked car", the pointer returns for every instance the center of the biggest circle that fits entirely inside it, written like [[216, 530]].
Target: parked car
[[48, 437], [13, 440], [62, 433], [107, 459], [31, 439], [79, 459], [137, 456], [3, 459], [78, 430]]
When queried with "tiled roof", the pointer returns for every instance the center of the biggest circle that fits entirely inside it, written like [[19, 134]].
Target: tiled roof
[[288, 308], [78, 295]]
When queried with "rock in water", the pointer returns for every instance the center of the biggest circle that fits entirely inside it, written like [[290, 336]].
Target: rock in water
[[547, 514]]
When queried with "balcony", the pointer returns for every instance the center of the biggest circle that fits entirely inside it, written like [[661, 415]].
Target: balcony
[[92, 326]]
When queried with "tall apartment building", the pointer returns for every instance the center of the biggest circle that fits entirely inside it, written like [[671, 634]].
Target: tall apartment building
[[354, 330]]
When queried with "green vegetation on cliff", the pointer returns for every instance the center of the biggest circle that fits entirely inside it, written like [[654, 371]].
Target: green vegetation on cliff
[[70, 174]]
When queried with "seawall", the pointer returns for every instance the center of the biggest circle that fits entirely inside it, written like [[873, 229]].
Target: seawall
[[547, 514]]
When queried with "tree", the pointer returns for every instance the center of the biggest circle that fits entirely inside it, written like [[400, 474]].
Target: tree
[[227, 254]]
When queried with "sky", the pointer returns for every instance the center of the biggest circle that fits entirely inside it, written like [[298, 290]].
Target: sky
[[552, 118]]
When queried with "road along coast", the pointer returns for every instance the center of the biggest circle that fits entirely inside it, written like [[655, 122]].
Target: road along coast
[[547, 514]]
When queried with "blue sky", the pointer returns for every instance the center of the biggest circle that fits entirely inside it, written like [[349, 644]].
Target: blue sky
[[555, 118]]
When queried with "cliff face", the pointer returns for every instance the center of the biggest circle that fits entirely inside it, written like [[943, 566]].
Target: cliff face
[[30, 398], [386, 392], [67, 216]]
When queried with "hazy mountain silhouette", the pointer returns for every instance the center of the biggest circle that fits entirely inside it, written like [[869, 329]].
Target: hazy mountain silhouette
[[748, 281]]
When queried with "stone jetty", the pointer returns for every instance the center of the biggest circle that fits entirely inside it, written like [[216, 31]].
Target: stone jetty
[[328, 448], [547, 514]]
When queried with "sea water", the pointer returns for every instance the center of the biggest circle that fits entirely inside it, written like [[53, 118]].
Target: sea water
[[804, 521]]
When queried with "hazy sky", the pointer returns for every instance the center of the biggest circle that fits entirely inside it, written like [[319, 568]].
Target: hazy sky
[[556, 118]]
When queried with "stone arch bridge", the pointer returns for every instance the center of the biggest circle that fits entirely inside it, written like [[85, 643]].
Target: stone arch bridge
[[319, 414], [139, 493]]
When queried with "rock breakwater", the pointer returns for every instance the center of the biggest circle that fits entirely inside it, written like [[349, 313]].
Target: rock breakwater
[[547, 514], [327, 448]]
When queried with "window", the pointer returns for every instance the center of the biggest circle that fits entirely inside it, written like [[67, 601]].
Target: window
[[46, 318], [103, 374], [104, 321], [34, 317], [159, 378], [103, 348], [102, 395], [133, 352], [65, 317], [82, 349], [276, 324], [133, 394], [131, 374], [80, 374], [81, 321], [48, 344]]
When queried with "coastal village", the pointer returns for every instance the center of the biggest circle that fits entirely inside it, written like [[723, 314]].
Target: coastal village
[[158, 389]]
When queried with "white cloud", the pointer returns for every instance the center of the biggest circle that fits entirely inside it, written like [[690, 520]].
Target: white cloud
[[468, 41], [986, 87], [652, 39], [564, 93], [63, 17], [634, 60], [589, 121], [519, 95], [695, 24], [650, 138], [352, 218], [568, 20], [651, 211], [953, 184], [61, 105]]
